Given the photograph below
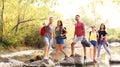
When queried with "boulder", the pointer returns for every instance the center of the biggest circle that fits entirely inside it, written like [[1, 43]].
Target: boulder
[[76, 60], [7, 62]]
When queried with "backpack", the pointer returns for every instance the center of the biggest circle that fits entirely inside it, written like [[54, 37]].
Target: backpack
[[42, 31]]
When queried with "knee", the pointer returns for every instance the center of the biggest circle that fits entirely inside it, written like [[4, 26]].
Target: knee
[[72, 44]]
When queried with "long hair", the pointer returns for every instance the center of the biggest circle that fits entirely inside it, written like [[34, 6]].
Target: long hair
[[61, 24], [101, 26]]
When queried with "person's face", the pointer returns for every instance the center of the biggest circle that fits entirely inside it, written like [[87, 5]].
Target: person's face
[[93, 28], [51, 20], [58, 23], [102, 26], [77, 18]]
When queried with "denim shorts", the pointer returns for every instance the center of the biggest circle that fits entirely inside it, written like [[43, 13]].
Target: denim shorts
[[94, 43], [48, 41], [59, 41]]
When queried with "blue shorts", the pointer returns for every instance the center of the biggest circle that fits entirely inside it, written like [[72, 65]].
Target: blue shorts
[[48, 41], [59, 41], [94, 43]]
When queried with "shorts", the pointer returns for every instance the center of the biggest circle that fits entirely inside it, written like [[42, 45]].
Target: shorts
[[48, 41], [80, 38], [94, 43], [59, 41]]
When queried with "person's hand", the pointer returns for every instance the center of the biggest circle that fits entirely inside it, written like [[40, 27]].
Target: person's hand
[[61, 35]]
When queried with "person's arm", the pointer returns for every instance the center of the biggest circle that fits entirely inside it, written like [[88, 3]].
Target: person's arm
[[105, 35], [84, 30]]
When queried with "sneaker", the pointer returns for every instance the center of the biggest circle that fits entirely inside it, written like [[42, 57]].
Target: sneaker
[[95, 61]]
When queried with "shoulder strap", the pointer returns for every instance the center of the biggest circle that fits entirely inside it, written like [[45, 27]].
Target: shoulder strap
[[89, 35], [61, 29]]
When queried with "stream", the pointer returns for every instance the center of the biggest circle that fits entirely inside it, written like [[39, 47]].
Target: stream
[[25, 56]]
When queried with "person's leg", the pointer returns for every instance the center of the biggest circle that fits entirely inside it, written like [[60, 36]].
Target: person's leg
[[99, 48], [72, 48], [46, 51], [106, 48], [49, 46], [57, 50], [91, 52], [94, 53], [61, 49], [84, 48]]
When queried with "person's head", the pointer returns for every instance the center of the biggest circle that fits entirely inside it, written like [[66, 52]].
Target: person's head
[[93, 28], [51, 20], [59, 23], [77, 17], [102, 26]]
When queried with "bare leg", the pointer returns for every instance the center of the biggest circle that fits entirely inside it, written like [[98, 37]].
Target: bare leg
[[94, 56], [61, 49], [91, 52], [46, 51], [84, 48], [57, 50], [72, 48]]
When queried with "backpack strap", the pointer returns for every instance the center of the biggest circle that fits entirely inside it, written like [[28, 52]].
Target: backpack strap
[[89, 35]]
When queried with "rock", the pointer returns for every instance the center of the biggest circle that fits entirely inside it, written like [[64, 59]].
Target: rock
[[36, 58], [7, 62], [115, 44], [41, 63], [76, 60], [115, 59]]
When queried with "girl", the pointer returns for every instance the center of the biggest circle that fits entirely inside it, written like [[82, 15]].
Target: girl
[[93, 40], [102, 41], [59, 40]]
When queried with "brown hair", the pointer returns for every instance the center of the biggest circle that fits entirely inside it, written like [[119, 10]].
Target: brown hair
[[60, 22], [104, 26], [78, 15]]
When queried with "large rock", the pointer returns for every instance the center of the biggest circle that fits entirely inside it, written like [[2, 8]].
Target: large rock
[[41, 63], [76, 60], [7, 62], [115, 59], [115, 44]]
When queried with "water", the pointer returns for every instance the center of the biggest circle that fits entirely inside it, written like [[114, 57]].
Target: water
[[103, 60]]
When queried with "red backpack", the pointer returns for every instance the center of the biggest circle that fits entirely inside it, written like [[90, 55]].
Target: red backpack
[[42, 31]]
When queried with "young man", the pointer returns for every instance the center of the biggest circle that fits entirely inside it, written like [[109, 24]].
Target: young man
[[48, 38], [79, 34]]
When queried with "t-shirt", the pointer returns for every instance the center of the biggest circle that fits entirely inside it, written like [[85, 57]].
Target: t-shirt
[[102, 33], [93, 36], [79, 29]]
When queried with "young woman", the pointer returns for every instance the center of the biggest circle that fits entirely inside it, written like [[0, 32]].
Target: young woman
[[93, 39], [102, 41], [59, 39]]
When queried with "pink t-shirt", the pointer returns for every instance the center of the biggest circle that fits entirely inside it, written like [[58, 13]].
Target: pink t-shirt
[[79, 29]]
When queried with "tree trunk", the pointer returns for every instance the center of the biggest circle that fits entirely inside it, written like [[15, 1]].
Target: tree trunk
[[2, 21]]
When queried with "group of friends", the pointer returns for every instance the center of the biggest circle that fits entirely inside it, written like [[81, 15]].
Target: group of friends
[[96, 38]]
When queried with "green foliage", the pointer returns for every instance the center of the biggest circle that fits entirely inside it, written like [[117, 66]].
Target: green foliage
[[114, 35]]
